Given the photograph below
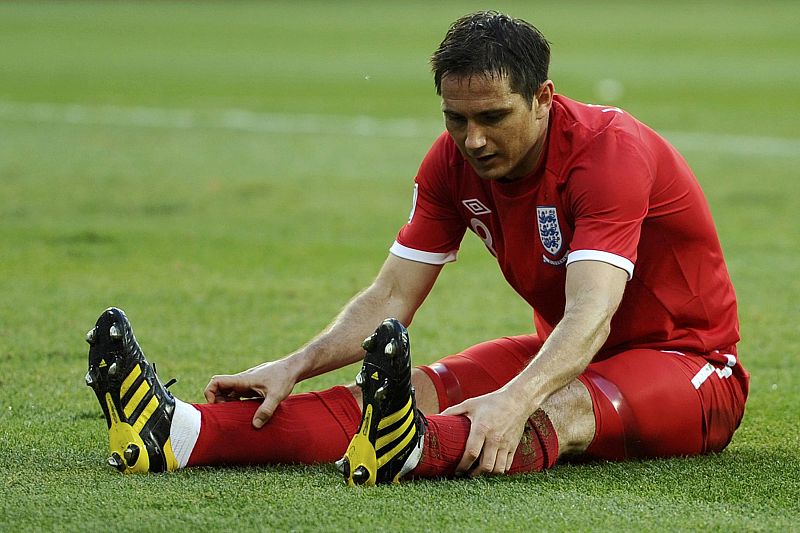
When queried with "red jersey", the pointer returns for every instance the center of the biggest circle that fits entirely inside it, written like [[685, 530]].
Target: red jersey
[[608, 189]]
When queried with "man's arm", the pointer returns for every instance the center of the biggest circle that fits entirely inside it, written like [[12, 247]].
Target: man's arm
[[398, 291], [593, 293]]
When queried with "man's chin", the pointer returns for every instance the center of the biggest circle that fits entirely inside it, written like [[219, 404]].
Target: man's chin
[[488, 174]]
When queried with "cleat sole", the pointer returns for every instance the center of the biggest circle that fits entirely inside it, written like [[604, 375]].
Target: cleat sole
[[137, 407], [389, 441], [390, 348], [115, 461], [131, 454], [123, 437], [361, 475], [360, 456], [343, 465], [369, 342]]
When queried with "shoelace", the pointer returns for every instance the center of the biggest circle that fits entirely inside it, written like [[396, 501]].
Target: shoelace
[[169, 383]]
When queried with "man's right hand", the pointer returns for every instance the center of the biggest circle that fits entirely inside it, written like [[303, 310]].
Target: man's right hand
[[398, 291], [272, 381]]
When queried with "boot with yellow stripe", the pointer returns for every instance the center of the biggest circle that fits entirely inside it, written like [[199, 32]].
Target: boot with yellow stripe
[[388, 444], [137, 406]]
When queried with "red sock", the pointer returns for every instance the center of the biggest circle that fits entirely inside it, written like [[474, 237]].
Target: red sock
[[313, 427], [446, 440]]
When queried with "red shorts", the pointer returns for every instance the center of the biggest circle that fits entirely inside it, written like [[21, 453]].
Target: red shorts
[[647, 403]]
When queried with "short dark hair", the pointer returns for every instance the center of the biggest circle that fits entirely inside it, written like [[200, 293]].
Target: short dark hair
[[492, 43]]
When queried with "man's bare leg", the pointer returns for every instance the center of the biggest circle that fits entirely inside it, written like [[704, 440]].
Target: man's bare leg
[[570, 410]]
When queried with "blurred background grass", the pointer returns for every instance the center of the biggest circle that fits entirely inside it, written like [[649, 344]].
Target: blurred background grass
[[124, 181]]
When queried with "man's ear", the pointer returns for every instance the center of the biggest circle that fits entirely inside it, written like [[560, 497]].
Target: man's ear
[[543, 99]]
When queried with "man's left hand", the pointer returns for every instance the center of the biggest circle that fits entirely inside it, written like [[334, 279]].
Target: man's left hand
[[497, 426]]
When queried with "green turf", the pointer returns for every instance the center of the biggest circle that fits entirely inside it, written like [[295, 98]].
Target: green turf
[[228, 246]]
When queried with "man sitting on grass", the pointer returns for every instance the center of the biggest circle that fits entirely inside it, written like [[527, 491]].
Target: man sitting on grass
[[595, 220]]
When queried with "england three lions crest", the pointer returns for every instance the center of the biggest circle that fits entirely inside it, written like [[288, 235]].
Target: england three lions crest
[[549, 230]]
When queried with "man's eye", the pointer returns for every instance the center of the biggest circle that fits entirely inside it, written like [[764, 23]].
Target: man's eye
[[454, 119], [493, 118]]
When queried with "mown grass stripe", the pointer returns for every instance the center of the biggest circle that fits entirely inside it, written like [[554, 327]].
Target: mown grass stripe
[[316, 124]]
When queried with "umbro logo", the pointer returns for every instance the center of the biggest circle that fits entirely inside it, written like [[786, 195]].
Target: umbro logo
[[476, 207]]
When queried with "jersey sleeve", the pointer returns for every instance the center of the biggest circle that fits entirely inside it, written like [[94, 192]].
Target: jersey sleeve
[[609, 193], [434, 229]]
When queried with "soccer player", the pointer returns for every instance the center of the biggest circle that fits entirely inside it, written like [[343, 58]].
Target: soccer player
[[594, 219]]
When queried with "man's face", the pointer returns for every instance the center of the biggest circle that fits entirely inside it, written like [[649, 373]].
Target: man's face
[[497, 131]]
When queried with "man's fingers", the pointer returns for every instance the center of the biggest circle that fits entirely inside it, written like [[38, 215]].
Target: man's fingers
[[209, 394], [225, 388], [471, 452], [455, 410], [218, 389], [212, 390], [500, 462], [509, 461], [489, 461], [264, 412], [492, 461]]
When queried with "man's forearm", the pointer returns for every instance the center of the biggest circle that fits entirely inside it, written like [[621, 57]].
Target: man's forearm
[[397, 292], [594, 291], [340, 343], [562, 358]]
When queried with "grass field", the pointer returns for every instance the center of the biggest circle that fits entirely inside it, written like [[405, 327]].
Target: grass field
[[231, 173]]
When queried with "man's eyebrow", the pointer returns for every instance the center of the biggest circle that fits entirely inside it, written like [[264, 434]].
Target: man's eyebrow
[[493, 111], [497, 111]]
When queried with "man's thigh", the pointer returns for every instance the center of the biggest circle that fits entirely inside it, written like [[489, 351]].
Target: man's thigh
[[481, 369], [651, 403]]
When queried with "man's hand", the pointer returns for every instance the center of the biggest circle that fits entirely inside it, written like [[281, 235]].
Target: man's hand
[[497, 426], [398, 291], [272, 381]]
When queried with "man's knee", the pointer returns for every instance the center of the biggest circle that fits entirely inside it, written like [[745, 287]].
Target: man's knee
[[477, 370], [425, 392], [571, 412]]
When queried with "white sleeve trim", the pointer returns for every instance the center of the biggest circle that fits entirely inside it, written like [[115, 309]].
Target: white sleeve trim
[[605, 257], [431, 258]]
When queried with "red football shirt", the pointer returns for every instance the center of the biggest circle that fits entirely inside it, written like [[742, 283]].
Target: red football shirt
[[608, 189]]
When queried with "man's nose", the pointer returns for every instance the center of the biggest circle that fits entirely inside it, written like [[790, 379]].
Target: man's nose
[[476, 139]]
